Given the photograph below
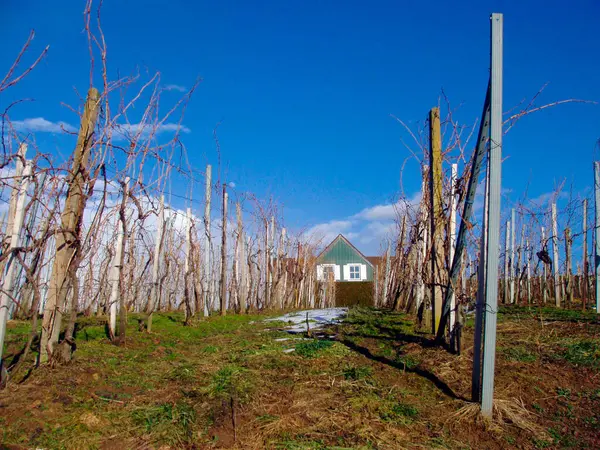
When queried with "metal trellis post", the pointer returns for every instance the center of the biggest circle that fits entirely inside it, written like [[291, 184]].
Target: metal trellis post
[[492, 255]]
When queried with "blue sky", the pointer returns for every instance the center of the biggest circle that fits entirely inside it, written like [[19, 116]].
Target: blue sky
[[304, 90]]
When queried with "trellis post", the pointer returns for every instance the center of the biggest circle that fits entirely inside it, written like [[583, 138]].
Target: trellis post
[[437, 226], [493, 231], [596, 233], [555, 267]]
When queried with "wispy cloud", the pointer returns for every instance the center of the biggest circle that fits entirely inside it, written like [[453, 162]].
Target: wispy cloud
[[145, 130], [547, 197], [175, 87], [41, 125], [389, 211]]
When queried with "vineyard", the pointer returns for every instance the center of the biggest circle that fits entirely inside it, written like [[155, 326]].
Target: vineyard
[[136, 290]]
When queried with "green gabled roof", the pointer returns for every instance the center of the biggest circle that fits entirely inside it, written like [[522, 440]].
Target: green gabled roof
[[346, 241]]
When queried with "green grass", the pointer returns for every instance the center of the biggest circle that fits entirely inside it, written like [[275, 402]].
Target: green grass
[[582, 352], [519, 354], [357, 373], [547, 313], [311, 349], [180, 387], [401, 413], [170, 423], [229, 382]]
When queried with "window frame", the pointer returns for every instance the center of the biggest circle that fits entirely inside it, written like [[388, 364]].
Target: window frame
[[357, 272]]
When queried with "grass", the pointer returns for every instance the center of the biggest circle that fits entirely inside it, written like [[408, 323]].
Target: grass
[[312, 348], [583, 352], [357, 373], [519, 354], [378, 384], [169, 423]]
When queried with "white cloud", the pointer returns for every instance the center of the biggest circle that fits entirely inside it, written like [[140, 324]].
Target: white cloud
[[369, 229], [41, 125], [326, 232], [175, 87], [389, 211]]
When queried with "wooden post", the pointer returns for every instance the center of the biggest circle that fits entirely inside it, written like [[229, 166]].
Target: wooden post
[[555, 266], [116, 268], [569, 270], [68, 236], [507, 264], [596, 233], [437, 221], [271, 258], [528, 259], [8, 279], [520, 260], [242, 265], [452, 246], [280, 267], [513, 228], [545, 271], [386, 277], [422, 244], [119, 259], [187, 266], [158, 239], [224, 254], [208, 245], [267, 299], [584, 264], [12, 205]]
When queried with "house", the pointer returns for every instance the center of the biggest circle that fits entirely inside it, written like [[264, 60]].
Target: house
[[343, 262]]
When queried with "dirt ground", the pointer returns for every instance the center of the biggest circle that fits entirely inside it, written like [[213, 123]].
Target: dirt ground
[[378, 383]]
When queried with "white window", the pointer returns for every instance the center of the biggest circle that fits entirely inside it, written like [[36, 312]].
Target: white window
[[326, 272], [355, 272]]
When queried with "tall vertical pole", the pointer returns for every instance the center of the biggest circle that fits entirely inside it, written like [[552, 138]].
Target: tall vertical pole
[[545, 271], [12, 205], [584, 264], [282, 267], [224, 254], [480, 301], [437, 226], [242, 264], [386, 276], [492, 257], [507, 264], [596, 233], [521, 257], [187, 264], [117, 267], [555, 266], [513, 229], [68, 236], [452, 247], [208, 245], [422, 245], [153, 300], [267, 299], [528, 258], [569, 268], [8, 275]]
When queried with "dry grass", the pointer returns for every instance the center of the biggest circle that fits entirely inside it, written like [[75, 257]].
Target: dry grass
[[505, 412], [384, 388]]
